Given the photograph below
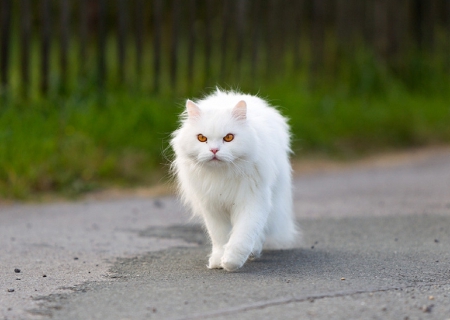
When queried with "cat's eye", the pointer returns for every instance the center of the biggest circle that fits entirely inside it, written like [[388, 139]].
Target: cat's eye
[[201, 138], [229, 137]]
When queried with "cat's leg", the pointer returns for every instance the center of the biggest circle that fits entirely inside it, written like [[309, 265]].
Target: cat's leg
[[218, 226], [248, 229]]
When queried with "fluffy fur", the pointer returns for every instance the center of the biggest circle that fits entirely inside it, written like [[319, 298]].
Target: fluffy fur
[[241, 188]]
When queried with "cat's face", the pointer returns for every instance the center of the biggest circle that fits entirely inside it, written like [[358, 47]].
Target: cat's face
[[216, 137]]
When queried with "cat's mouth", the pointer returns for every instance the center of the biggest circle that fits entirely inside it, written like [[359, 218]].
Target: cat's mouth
[[216, 159]]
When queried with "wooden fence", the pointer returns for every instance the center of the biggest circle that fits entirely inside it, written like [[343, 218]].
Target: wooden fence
[[203, 42]]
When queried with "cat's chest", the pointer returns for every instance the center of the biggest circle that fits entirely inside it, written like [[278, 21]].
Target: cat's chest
[[225, 190]]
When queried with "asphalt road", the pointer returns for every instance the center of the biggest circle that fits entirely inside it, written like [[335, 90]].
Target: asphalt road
[[376, 246]]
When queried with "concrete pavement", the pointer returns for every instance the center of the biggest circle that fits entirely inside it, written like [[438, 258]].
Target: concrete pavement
[[376, 246]]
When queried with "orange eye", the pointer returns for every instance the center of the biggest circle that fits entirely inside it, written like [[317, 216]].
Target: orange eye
[[229, 137], [202, 138]]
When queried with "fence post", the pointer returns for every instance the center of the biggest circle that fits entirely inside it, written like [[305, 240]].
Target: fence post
[[256, 25], [101, 59], [174, 43], [226, 19], [447, 29], [5, 42], [122, 29], [157, 21], [344, 25], [317, 39], [25, 35], [241, 22], [298, 8], [429, 17], [191, 41], [272, 50], [139, 16], [83, 35], [397, 17], [208, 41], [45, 49], [64, 43], [380, 28]]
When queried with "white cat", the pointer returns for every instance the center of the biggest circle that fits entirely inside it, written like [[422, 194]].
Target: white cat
[[232, 167]]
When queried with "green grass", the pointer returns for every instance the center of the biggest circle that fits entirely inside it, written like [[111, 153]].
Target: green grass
[[351, 126], [77, 145], [71, 143]]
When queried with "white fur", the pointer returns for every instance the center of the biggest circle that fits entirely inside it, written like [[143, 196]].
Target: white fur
[[245, 196]]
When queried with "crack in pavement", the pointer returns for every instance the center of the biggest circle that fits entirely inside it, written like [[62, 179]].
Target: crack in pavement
[[294, 299]]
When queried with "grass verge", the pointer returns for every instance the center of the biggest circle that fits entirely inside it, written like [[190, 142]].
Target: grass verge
[[81, 143]]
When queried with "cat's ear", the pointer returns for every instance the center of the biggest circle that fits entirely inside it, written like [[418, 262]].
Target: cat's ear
[[240, 111], [193, 110]]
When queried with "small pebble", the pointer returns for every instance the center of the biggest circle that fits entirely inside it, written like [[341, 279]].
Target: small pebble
[[342, 278], [428, 309], [17, 270], [431, 298], [75, 258], [10, 290], [17, 278], [44, 276]]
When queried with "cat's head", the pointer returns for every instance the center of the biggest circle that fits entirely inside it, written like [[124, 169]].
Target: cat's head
[[214, 135]]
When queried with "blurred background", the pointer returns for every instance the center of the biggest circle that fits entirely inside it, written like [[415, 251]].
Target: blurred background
[[91, 89]]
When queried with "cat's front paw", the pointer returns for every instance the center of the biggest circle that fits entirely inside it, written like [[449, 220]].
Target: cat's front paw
[[215, 260], [232, 262]]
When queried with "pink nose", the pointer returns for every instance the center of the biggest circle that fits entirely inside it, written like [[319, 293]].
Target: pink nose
[[214, 150]]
